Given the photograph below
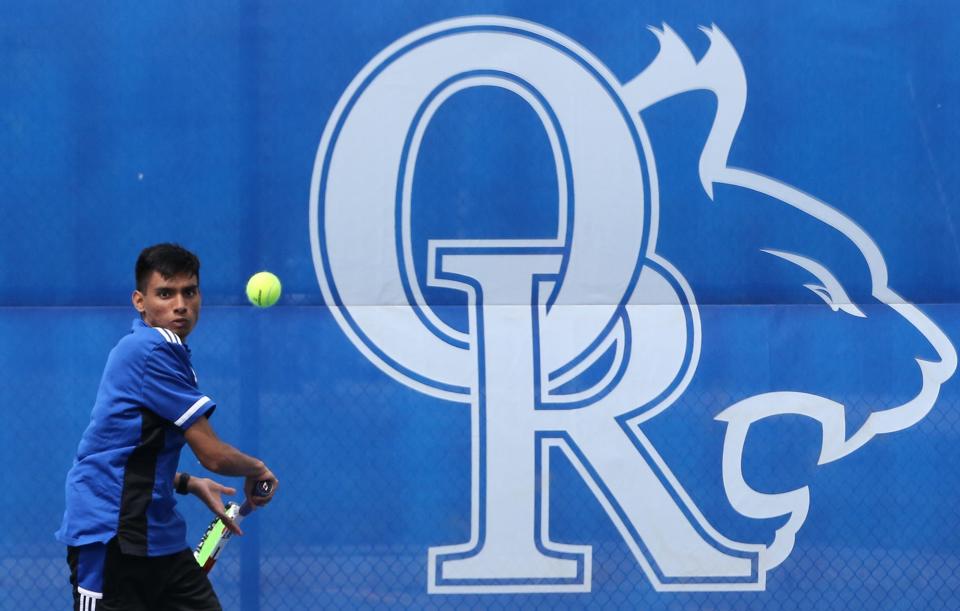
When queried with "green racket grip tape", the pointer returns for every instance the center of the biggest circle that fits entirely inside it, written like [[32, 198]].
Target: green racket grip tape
[[215, 538], [217, 533]]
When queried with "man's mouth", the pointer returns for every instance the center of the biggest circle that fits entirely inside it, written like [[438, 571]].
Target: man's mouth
[[180, 322]]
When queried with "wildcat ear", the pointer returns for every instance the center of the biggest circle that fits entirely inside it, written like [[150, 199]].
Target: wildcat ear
[[674, 71]]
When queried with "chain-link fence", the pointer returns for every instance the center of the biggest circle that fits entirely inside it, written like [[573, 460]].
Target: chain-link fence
[[374, 474]]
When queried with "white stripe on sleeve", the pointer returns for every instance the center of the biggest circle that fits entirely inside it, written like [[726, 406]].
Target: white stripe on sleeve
[[90, 593], [193, 409], [169, 335]]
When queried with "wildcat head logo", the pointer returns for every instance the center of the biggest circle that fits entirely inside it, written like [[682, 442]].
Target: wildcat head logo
[[544, 316]]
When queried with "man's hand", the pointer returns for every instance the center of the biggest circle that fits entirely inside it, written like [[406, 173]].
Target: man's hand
[[210, 492], [251, 482], [224, 459]]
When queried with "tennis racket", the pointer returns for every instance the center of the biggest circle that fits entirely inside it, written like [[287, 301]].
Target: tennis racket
[[217, 535]]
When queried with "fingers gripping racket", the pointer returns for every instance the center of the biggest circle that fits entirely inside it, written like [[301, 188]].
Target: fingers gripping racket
[[217, 535]]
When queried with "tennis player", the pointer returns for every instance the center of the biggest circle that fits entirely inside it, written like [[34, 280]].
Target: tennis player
[[126, 542]]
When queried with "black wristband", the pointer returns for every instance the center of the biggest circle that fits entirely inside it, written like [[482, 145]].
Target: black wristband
[[182, 482]]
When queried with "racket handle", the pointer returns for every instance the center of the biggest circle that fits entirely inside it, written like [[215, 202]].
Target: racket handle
[[207, 555], [237, 513], [261, 488]]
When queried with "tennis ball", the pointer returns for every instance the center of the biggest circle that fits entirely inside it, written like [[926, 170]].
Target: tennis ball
[[263, 289]]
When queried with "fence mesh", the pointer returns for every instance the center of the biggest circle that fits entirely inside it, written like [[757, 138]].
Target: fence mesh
[[374, 474]]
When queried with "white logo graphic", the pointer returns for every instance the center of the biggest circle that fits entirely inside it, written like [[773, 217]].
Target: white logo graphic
[[542, 312]]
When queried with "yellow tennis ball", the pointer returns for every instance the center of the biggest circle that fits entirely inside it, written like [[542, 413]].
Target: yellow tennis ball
[[263, 289]]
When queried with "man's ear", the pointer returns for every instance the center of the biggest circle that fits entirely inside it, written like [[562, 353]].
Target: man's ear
[[137, 300]]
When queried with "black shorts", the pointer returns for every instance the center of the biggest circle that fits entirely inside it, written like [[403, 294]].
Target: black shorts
[[106, 579]]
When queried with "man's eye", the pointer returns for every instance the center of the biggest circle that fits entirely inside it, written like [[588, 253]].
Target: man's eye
[[164, 294], [189, 293]]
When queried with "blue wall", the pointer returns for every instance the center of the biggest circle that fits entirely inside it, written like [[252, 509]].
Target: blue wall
[[128, 124]]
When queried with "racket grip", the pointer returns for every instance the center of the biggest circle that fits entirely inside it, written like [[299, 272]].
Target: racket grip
[[263, 488]]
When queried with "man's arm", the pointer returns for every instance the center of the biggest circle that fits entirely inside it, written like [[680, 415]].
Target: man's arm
[[220, 457]]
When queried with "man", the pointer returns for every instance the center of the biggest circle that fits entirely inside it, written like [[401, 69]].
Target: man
[[126, 541]]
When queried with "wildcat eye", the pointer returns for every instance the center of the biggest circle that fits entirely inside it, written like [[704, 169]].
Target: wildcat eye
[[839, 302], [831, 291]]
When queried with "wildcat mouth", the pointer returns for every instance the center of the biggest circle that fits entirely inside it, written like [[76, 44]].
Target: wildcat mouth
[[831, 415], [903, 416]]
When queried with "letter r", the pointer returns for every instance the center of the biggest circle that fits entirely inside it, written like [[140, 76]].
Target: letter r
[[510, 549]]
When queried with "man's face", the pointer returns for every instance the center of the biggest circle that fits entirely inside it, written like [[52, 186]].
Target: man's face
[[171, 303]]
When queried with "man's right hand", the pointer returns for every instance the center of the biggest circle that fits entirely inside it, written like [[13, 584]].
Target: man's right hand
[[250, 487]]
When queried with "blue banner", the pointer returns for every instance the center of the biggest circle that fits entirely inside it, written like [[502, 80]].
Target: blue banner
[[643, 305]]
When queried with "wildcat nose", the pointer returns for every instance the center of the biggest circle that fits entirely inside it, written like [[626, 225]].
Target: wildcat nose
[[944, 362]]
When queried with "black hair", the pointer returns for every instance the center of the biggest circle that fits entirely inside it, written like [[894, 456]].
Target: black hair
[[168, 259]]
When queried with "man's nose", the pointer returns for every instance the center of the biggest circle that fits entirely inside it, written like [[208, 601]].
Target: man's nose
[[179, 304]]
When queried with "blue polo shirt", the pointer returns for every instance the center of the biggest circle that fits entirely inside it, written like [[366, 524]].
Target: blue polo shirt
[[121, 482]]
